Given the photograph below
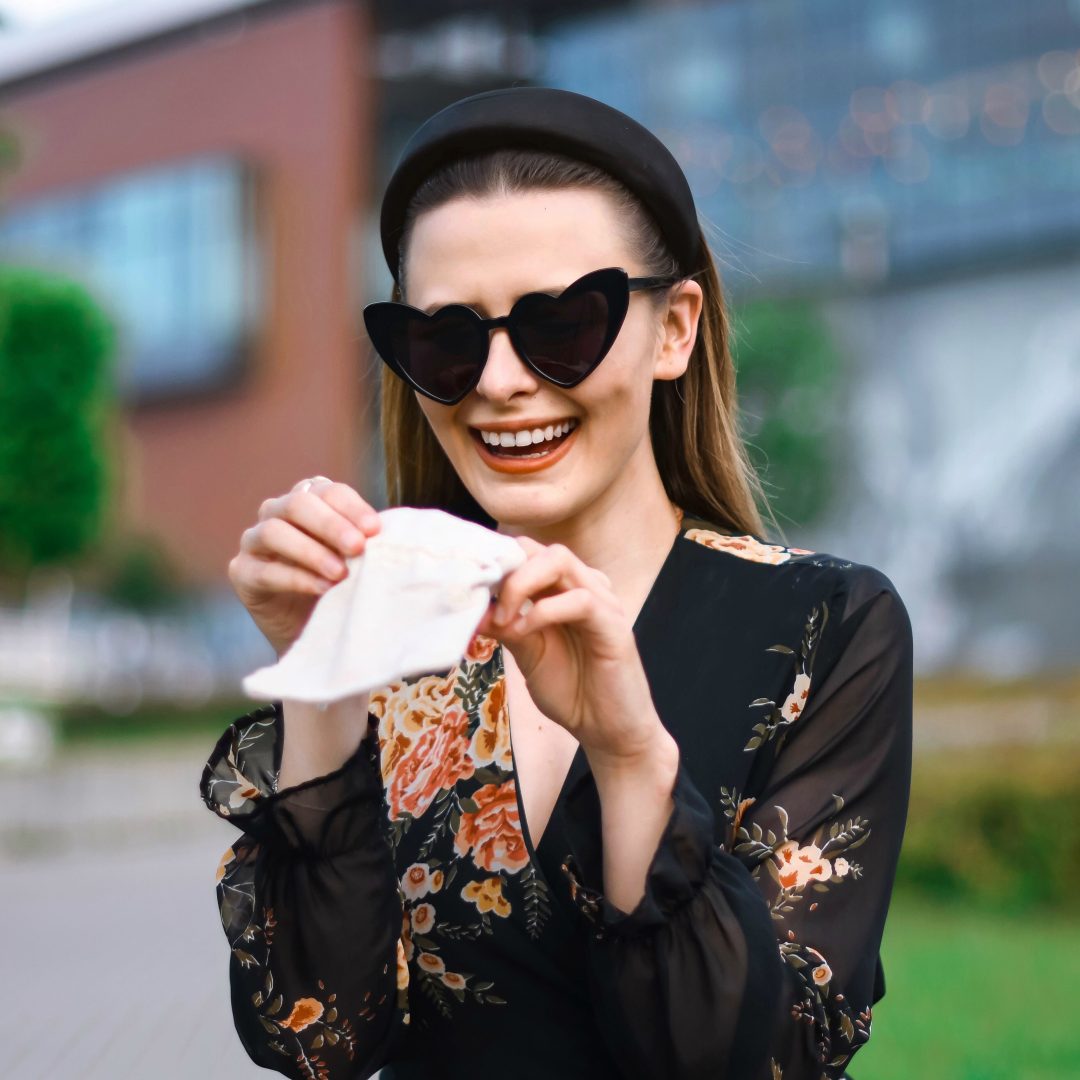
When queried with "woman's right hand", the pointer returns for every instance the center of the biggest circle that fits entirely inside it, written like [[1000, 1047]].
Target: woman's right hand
[[296, 552]]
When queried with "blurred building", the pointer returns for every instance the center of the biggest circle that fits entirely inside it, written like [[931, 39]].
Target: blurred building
[[200, 166], [914, 168], [208, 167], [910, 167]]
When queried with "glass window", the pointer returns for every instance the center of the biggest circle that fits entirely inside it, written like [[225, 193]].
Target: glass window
[[171, 252], [852, 140]]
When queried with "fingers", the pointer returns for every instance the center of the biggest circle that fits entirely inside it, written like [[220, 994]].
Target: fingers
[[276, 538], [347, 501], [275, 576], [332, 513], [575, 605], [550, 570], [310, 531]]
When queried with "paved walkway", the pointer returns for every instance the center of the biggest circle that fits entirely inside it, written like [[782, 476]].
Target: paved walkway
[[115, 965]]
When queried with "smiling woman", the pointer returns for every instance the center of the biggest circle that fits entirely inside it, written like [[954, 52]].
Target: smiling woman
[[648, 825]]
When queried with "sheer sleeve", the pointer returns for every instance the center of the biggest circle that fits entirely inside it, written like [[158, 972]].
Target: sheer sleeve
[[823, 836], [310, 904], [754, 950]]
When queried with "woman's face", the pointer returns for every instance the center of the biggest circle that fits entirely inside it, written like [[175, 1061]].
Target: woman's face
[[486, 252]]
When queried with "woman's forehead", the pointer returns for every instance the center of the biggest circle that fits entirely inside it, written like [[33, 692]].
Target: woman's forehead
[[491, 249]]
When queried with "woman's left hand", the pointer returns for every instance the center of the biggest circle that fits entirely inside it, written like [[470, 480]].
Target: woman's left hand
[[575, 647]]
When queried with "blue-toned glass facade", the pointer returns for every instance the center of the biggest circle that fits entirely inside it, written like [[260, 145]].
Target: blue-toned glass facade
[[853, 140]]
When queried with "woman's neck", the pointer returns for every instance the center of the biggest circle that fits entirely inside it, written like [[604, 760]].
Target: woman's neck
[[626, 538]]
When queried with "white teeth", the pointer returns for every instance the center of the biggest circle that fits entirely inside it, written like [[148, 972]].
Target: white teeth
[[526, 437]]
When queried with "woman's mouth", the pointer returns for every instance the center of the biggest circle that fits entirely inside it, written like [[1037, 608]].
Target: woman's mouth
[[527, 458]]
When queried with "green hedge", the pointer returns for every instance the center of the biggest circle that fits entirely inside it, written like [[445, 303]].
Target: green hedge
[[55, 398], [995, 829], [789, 374]]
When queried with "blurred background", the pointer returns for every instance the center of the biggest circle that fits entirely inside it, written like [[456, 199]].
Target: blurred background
[[188, 191]]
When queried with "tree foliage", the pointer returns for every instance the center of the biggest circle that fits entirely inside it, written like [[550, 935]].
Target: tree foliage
[[789, 379], [55, 397]]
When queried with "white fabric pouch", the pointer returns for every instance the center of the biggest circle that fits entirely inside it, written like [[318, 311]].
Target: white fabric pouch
[[408, 605]]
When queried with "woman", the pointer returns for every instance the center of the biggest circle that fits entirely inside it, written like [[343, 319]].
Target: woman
[[647, 828]]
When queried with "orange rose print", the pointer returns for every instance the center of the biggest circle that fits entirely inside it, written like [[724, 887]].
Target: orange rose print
[[492, 833], [407, 709], [487, 895], [453, 980], [392, 749], [491, 741], [304, 1013], [800, 865], [822, 973], [418, 880], [423, 918], [481, 649], [437, 760], [430, 962], [795, 703], [745, 547]]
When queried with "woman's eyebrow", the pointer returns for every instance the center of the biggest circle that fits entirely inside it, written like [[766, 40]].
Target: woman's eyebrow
[[480, 308], [431, 308]]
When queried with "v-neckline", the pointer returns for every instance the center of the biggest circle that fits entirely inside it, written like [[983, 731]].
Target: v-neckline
[[579, 762]]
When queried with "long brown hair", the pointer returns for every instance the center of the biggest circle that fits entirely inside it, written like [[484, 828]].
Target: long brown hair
[[693, 422]]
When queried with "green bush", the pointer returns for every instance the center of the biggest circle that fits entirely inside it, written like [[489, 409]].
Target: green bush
[[788, 377], [141, 575], [55, 344], [996, 830]]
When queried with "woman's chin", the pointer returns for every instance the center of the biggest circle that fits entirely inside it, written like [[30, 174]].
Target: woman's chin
[[522, 509]]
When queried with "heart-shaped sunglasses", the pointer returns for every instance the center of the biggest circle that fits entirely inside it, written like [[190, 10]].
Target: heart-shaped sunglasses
[[562, 338]]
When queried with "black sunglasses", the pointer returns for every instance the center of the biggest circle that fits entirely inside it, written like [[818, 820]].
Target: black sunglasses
[[562, 338]]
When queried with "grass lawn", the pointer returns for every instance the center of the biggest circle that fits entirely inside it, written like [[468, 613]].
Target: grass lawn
[[974, 996]]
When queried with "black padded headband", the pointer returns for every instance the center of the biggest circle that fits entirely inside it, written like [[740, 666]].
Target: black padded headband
[[541, 118]]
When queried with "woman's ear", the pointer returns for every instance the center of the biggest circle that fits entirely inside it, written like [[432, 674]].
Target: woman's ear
[[679, 330]]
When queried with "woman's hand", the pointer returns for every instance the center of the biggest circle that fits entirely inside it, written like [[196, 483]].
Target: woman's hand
[[296, 552], [575, 647]]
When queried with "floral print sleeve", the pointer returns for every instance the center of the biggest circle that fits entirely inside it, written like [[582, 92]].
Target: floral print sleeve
[[822, 836], [754, 951], [310, 904]]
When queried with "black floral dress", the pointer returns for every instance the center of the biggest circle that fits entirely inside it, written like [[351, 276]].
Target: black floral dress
[[395, 913]]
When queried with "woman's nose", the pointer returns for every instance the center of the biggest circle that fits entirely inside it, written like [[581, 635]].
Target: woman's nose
[[505, 373]]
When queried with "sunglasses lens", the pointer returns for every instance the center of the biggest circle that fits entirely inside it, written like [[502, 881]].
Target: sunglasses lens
[[439, 353], [564, 336]]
